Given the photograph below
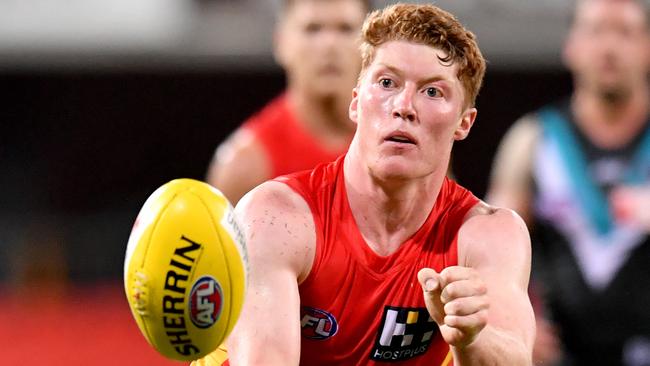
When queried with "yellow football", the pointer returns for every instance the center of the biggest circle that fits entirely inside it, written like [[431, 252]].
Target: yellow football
[[185, 269]]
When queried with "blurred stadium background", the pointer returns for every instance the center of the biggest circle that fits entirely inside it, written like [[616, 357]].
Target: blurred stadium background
[[103, 101]]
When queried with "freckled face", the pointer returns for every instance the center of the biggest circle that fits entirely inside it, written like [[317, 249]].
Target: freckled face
[[409, 108]]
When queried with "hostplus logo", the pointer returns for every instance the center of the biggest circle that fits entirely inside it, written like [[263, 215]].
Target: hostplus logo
[[403, 333]]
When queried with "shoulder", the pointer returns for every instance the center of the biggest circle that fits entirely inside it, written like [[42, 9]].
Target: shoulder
[[517, 146], [492, 220], [494, 236], [278, 226], [513, 166], [241, 147], [273, 197], [239, 164], [525, 130]]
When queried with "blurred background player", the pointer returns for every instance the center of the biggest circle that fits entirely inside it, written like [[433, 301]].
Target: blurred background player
[[577, 170], [316, 42]]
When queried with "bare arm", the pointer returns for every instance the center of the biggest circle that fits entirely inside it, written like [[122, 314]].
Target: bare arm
[[510, 183], [281, 239], [497, 246], [482, 305], [239, 165]]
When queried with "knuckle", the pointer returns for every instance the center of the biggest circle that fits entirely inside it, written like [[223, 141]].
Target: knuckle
[[452, 321], [482, 317], [481, 288], [486, 303], [451, 291], [452, 307]]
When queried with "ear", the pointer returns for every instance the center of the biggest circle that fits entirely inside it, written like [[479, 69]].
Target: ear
[[569, 50], [279, 52], [465, 124], [353, 111], [647, 52]]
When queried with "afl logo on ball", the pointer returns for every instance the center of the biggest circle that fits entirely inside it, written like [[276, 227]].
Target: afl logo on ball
[[206, 300], [317, 324]]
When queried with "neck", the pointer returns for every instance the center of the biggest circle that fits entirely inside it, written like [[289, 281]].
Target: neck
[[388, 211], [611, 121]]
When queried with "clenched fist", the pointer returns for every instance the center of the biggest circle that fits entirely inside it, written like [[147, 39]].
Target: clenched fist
[[457, 300]]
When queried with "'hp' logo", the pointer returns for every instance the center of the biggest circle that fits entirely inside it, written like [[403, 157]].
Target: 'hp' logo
[[403, 333], [317, 324], [206, 301]]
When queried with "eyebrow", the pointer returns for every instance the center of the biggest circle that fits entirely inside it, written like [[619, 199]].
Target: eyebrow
[[420, 82]]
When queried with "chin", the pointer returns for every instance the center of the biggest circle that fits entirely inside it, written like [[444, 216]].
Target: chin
[[395, 167], [614, 93]]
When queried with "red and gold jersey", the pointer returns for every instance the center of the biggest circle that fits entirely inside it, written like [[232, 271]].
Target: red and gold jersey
[[288, 145], [360, 308]]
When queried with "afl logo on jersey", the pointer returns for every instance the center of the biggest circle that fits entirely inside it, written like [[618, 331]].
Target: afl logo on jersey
[[205, 302], [317, 324]]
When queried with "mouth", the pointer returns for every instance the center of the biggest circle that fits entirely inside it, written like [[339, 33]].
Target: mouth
[[401, 137]]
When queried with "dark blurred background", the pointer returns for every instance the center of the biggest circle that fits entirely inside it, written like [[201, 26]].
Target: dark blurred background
[[82, 150], [102, 102]]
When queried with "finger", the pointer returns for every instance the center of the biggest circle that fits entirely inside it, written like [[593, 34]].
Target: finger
[[452, 336], [466, 305], [462, 330], [457, 273], [429, 280], [468, 323], [462, 288]]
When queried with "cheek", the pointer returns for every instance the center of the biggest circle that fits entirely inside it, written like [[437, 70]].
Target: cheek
[[439, 114], [636, 55], [305, 50], [351, 60], [298, 55], [445, 124], [583, 53], [375, 102], [371, 109]]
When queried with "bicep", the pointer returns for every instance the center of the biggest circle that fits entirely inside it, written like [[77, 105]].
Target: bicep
[[238, 165], [280, 238], [498, 247]]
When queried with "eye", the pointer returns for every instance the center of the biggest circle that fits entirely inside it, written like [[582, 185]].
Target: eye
[[386, 83], [432, 92], [346, 28], [313, 28]]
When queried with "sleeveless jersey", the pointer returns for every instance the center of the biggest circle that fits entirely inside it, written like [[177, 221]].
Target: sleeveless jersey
[[593, 271], [360, 308], [288, 145]]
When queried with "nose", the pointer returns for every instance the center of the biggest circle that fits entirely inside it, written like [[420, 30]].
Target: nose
[[403, 105], [328, 40]]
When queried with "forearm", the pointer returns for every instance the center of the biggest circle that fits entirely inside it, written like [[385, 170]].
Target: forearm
[[493, 347], [266, 353]]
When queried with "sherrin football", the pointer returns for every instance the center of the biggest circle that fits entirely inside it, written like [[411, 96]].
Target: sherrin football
[[185, 269]]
